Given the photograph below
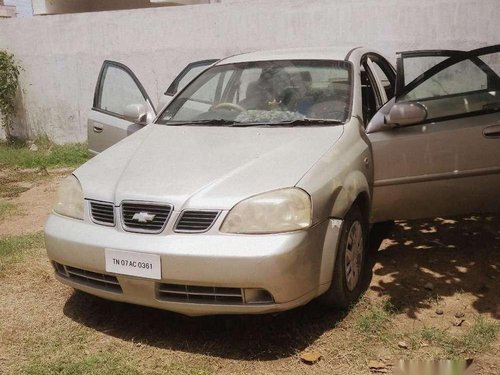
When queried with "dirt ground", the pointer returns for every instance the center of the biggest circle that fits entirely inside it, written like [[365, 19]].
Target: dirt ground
[[438, 277]]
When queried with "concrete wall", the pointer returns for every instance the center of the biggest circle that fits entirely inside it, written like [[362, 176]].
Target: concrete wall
[[62, 54]]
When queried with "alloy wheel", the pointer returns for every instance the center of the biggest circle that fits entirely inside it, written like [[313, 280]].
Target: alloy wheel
[[354, 255]]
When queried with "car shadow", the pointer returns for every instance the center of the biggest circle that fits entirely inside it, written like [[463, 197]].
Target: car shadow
[[454, 255], [459, 255], [246, 337]]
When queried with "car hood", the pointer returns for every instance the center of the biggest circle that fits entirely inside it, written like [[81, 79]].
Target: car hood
[[204, 166]]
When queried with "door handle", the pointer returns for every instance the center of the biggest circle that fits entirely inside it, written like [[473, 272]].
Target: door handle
[[98, 129], [492, 131]]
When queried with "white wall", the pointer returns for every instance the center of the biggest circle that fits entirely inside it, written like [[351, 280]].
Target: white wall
[[62, 54]]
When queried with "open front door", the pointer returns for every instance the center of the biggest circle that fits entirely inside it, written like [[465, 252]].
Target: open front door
[[443, 159], [121, 107]]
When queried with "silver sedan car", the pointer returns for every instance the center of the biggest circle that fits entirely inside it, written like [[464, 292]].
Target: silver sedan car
[[254, 189]]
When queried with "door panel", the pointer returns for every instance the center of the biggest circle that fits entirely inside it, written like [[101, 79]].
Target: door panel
[[117, 87], [105, 130], [450, 163]]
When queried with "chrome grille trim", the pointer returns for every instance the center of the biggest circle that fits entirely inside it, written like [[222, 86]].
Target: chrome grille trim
[[200, 294], [196, 221], [88, 278], [161, 211], [102, 213]]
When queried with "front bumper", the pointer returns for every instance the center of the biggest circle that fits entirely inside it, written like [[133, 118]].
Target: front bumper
[[287, 265]]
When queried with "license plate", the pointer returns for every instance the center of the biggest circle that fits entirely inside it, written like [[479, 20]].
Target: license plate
[[133, 263]]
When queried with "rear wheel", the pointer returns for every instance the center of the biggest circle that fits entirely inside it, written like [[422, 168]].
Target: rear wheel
[[349, 271]]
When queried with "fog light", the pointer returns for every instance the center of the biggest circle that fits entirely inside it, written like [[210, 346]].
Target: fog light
[[258, 296]]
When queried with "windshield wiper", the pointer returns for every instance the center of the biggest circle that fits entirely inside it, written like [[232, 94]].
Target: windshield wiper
[[202, 122], [301, 122], [222, 122], [311, 121]]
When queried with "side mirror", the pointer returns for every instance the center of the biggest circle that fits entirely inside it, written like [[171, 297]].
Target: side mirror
[[136, 113], [403, 114]]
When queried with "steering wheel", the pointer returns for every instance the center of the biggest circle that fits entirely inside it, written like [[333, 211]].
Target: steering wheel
[[230, 106]]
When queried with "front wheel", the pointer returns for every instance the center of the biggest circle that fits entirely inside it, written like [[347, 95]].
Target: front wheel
[[350, 263]]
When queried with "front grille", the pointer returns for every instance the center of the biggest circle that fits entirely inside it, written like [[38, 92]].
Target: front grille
[[145, 217], [93, 279], [102, 213], [196, 221], [200, 294]]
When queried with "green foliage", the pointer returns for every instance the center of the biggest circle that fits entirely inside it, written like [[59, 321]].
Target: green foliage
[[9, 82], [375, 319], [17, 155], [480, 336], [476, 339], [439, 337]]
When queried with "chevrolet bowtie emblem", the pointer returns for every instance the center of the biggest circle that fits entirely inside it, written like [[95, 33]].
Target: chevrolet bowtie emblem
[[143, 217]]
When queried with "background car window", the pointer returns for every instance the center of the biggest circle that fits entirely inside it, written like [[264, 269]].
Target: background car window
[[467, 86], [118, 90]]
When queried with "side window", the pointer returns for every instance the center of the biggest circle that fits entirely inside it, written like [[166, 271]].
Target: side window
[[413, 67], [368, 95], [381, 70], [459, 78], [470, 85], [493, 61], [187, 75], [118, 89]]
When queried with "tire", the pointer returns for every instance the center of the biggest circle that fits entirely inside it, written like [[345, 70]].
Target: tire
[[350, 269]]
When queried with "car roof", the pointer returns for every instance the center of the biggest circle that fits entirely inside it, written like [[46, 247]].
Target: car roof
[[328, 53]]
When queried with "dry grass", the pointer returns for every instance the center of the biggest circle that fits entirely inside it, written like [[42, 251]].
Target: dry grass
[[5, 209], [15, 248]]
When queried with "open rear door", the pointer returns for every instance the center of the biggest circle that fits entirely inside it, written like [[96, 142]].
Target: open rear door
[[121, 107], [187, 74], [448, 161]]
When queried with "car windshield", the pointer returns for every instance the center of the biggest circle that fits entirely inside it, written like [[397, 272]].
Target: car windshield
[[266, 93]]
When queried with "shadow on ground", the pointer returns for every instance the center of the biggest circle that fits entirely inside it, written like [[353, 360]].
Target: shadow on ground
[[260, 337], [454, 255]]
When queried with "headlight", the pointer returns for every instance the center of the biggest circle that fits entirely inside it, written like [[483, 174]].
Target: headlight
[[276, 211], [70, 198]]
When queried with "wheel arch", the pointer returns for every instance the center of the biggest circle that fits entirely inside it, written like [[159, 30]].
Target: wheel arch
[[355, 189]]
